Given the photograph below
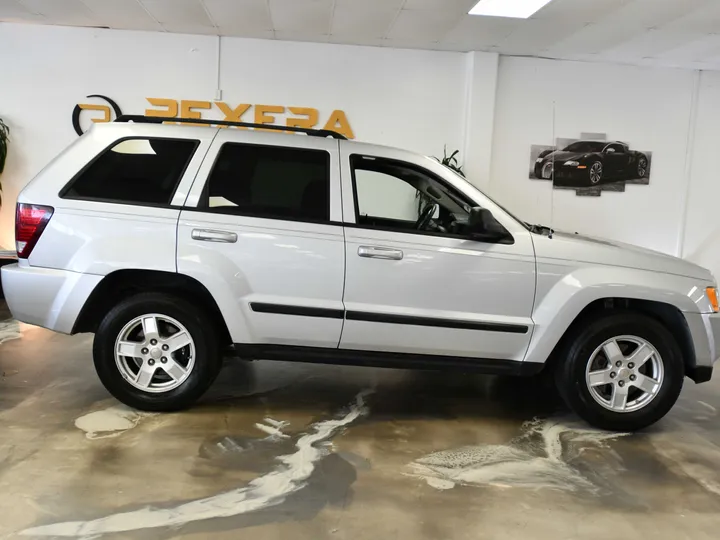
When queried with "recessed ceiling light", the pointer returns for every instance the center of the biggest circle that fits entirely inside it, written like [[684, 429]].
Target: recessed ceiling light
[[520, 9]]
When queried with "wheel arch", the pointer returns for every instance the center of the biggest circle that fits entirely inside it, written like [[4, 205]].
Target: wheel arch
[[122, 284], [666, 314]]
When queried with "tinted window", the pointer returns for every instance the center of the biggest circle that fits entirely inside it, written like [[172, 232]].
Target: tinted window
[[585, 146], [273, 182], [135, 171]]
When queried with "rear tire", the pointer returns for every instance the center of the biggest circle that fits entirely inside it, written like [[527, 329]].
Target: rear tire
[[192, 359], [589, 388]]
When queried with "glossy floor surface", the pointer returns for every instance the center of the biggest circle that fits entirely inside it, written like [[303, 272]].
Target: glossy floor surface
[[298, 451]]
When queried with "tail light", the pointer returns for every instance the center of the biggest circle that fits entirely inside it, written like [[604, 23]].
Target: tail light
[[30, 222]]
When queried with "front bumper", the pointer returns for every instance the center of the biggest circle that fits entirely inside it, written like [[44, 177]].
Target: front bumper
[[45, 296], [705, 334]]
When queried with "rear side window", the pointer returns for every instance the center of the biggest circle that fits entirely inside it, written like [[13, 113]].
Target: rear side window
[[144, 171], [272, 182]]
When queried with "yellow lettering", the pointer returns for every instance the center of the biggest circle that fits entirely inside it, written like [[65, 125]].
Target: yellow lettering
[[338, 122], [309, 122], [187, 106], [102, 108], [171, 107], [262, 118], [233, 115]]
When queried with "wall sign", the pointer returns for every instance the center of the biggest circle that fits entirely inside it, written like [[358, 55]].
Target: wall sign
[[303, 117], [590, 165]]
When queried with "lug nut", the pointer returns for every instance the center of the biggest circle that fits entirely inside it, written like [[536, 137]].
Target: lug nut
[[621, 383], [153, 342], [631, 365], [612, 374], [151, 362], [633, 377], [144, 350], [165, 347], [618, 363], [163, 359]]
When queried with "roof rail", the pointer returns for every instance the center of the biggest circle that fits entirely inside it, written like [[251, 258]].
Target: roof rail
[[202, 121]]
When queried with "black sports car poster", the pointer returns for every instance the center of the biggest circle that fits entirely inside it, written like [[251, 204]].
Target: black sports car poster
[[590, 165]]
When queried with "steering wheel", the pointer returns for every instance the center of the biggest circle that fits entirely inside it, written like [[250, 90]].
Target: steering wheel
[[426, 215]]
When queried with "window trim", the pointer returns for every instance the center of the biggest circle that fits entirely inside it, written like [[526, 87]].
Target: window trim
[[205, 196], [443, 182], [63, 193]]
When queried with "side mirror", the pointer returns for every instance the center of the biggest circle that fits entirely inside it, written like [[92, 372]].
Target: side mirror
[[609, 150], [483, 227]]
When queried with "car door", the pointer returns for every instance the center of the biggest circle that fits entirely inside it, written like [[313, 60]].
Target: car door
[[616, 160], [431, 292], [263, 235]]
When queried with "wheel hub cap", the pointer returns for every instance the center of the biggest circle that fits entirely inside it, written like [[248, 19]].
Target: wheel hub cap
[[155, 353], [624, 374]]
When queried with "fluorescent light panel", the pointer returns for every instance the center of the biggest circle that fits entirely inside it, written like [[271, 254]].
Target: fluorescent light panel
[[519, 9]]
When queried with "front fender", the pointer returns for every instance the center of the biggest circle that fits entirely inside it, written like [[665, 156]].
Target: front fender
[[563, 293]]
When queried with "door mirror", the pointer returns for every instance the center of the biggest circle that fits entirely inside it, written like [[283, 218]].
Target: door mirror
[[483, 227], [610, 150]]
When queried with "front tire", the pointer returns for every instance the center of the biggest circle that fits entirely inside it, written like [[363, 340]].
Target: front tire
[[156, 352], [621, 372], [595, 173]]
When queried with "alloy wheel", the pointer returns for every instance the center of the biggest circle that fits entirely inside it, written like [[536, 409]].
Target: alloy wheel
[[155, 353], [642, 167], [624, 374], [547, 171], [596, 171]]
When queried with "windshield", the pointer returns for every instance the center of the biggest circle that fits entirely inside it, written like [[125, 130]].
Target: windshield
[[585, 146]]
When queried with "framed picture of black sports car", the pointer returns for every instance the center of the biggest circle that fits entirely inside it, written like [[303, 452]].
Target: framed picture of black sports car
[[590, 165]]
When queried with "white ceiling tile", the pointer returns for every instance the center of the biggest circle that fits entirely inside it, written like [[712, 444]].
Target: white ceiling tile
[[256, 33], [180, 12], [290, 35], [121, 14], [372, 23], [303, 16], [423, 25], [359, 5], [70, 12], [250, 14], [13, 9], [696, 50], [580, 11], [456, 6], [480, 33], [190, 28], [536, 35]]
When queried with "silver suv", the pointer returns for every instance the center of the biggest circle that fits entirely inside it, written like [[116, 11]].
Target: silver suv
[[175, 244]]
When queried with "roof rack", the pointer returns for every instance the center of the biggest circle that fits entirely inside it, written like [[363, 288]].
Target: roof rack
[[202, 121]]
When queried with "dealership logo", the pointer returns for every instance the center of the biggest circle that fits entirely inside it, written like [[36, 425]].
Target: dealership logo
[[301, 117], [106, 110]]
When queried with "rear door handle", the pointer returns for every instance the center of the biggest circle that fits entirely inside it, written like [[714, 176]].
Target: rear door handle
[[373, 252], [209, 235]]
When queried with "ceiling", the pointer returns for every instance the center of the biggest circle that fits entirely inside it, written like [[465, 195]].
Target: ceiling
[[682, 33]]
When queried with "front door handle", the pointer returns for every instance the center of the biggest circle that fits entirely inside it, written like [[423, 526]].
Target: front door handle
[[209, 235], [373, 252]]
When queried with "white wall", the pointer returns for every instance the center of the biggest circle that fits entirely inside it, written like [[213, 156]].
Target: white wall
[[647, 108], [412, 99]]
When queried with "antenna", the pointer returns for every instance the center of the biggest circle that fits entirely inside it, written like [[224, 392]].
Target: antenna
[[552, 176]]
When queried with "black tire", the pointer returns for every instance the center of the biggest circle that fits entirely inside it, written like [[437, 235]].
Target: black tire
[[570, 371], [207, 358]]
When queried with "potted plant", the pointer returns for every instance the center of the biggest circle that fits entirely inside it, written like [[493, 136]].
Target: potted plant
[[450, 162]]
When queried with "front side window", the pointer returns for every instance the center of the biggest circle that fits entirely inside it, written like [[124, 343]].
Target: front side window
[[401, 196], [141, 171], [271, 182]]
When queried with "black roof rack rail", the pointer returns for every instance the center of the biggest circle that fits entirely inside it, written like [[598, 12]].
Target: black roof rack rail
[[160, 119]]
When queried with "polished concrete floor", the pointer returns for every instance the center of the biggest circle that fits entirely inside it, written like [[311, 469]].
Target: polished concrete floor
[[296, 451]]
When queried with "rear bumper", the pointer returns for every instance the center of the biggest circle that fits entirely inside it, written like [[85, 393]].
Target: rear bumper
[[46, 297], [705, 333]]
